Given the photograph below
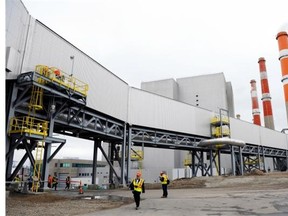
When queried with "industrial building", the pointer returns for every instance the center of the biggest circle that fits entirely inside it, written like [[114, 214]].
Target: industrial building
[[78, 170], [52, 87]]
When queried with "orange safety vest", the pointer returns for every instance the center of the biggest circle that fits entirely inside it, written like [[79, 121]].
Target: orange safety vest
[[50, 178]]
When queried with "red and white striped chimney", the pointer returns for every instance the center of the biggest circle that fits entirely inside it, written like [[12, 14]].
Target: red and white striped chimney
[[282, 38], [266, 98], [255, 105]]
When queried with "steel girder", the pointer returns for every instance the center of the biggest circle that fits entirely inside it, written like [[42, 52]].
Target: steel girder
[[163, 139]]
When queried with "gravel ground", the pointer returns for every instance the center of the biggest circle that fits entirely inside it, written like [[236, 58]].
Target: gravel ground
[[62, 203]]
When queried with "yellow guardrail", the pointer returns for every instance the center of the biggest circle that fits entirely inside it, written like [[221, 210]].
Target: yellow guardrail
[[216, 120], [187, 162], [137, 155], [218, 133], [58, 76], [27, 124]]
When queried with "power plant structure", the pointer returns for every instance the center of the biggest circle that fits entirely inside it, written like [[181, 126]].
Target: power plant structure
[[255, 104], [52, 87], [282, 38], [266, 97]]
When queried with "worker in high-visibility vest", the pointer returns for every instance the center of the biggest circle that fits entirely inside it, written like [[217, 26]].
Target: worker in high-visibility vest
[[164, 182], [17, 178], [17, 182], [137, 187]]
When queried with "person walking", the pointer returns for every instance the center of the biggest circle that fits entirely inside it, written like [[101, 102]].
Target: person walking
[[164, 181], [137, 186], [67, 183], [55, 182]]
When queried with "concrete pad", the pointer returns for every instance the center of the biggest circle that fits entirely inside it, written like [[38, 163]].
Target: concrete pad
[[205, 201]]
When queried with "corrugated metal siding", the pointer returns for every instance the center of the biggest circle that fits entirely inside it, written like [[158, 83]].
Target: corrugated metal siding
[[17, 22], [273, 138], [155, 111], [206, 91], [107, 93], [245, 131], [253, 134]]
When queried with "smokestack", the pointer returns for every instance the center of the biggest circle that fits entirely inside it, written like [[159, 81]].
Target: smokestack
[[255, 105], [282, 38], [266, 98]]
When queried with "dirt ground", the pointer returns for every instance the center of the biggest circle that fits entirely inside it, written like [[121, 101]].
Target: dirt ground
[[72, 203]]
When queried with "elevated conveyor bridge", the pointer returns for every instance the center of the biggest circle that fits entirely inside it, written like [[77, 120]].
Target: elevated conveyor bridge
[[64, 107]]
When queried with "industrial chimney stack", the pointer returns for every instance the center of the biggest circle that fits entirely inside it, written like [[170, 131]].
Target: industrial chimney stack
[[282, 38], [255, 105], [266, 98]]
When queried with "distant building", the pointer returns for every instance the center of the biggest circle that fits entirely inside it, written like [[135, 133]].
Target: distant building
[[209, 91], [79, 169]]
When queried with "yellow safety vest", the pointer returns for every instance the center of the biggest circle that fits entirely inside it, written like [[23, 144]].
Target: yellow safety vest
[[17, 179], [138, 185], [165, 179]]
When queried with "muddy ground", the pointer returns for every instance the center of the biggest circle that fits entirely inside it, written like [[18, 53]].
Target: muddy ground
[[62, 203]]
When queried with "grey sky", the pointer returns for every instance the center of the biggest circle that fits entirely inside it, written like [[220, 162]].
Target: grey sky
[[151, 40]]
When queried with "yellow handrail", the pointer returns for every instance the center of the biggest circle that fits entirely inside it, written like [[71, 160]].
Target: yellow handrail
[[58, 76], [28, 124]]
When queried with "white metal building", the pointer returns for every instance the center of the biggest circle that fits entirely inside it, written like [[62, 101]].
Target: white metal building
[[29, 43]]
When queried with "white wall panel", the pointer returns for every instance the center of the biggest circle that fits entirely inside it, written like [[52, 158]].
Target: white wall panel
[[245, 131], [107, 93], [206, 91], [17, 22], [254, 134], [152, 110], [273, 138]]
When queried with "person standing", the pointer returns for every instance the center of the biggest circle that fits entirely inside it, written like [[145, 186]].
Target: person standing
[[50, 181], [17, 182], [67, 183], [137, 187], [30, 182], [164, 181]]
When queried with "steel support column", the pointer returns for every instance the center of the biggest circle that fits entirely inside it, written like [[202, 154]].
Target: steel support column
[[123, 156], [95, 155]]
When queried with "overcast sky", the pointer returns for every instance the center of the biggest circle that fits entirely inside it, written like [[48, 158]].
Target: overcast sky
[[152, 40]]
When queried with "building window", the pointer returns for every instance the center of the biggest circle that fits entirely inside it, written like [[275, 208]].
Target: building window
[[65, 165], [81, 165], [56, 164]]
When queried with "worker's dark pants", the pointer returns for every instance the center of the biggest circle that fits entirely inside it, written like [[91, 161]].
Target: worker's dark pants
[[67, 186], [137, 198], [165, 191]]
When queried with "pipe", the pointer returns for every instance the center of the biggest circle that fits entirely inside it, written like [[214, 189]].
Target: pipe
[[282, 38], [255, 105], [266, 98]]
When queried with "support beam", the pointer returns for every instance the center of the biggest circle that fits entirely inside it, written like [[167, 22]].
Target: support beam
[[97, 143]]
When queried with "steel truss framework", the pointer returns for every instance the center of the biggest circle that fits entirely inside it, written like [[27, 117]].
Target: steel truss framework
[[67, 113]]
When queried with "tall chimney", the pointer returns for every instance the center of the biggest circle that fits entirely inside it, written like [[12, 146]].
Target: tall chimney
[[266, 98], [282, 38], [255, 105]]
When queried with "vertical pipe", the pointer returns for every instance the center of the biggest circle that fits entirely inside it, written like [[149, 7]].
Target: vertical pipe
[[255, 105], [282, 38], [266, 98], [233, 160], [123, 156], [241, 161], [211, 162]]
